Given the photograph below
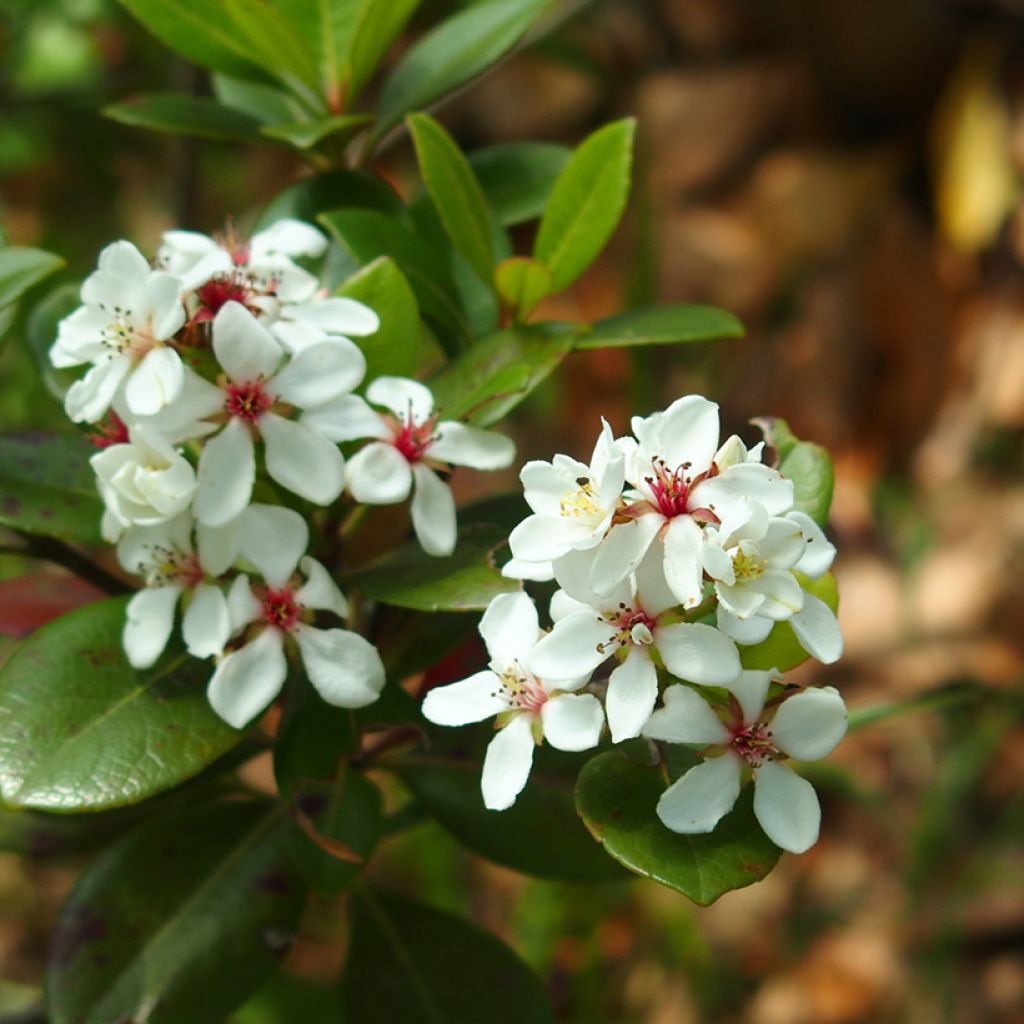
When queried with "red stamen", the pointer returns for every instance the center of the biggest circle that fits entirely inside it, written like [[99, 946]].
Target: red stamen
[[112, 430], [218, 291], [753, 743], [669, 488], [413, 440], [280, 608], [247, 401]]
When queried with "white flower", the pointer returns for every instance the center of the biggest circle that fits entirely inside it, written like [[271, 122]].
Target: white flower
[[528, 709], [129, 315], [752, 568], [258, 396], [344, 667], [808, 726], [573, 505], [145, 481], [680, 485], [629, 623], [173, 568], [411, 444]]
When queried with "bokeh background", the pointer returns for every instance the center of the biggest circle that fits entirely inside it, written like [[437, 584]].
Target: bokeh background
[[846, 178]]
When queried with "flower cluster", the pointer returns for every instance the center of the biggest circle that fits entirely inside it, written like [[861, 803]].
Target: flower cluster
[[669, 550], [223, 371]]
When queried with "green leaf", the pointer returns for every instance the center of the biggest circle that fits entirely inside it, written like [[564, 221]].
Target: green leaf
[[309, 134], [517, 178], [377, 24], [489, 380], [325, 28], [457, 50], [179, 921], [80, 729], [21, 269], [395, 348], [335, 831], [336, 190], [539, 835], [181, 114], [586, 203], [456, 194], [465, 581], [41, 332], [418, 965], [522, 283], [781, 649], [808, 465], [662, 325], [617, 797], [263, 103], [48, 487]]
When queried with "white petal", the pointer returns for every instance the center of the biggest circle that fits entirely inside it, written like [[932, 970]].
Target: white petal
[[783, 542], [810, 725], [155, 382], [287, 237], [652, 590], [541, 538], [150, 619], [346, 418], [461, 445], [89, 398], [245, 348], [302, 460], [740, 601], [750, 688], [166, 313], [379, 475], [217, 547], [632, 691], [248, 679], [717, 563], [206, 626], [686, 717], [698, 653], [433, 512], [783, 596], [273, 538], [621, 551], [518, 569], [320, 373], [683, 542], [227, 471], [698, 801], [819, 553], [320, 592], [786, 807], [817, 629], [469, 700], [573, 571], [544, 486], [507, 763], [571, 648], [344, 667], [509, 628], [743, 631], [562, 606], [688, 432], [572, 721], [402, 396], [337, 315], [243, 607], [739, 485]]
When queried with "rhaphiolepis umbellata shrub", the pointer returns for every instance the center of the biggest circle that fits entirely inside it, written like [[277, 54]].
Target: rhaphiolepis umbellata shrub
[[246, 403]]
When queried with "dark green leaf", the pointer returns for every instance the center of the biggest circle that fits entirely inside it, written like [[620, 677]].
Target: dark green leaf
[[395, 348], [808, 465], [465, 581], [418, 641], [522, 283], [276, 45], [489, 380], [20, 269], [80, 729], [336, 190], [48, 487], [458, 49], [517, 178], [456, 194], [263, 103], [179, 921], [377, 24], [662, 325], [309, 134], [325, 28], [181, 114], [418, 965], [617, 797], [586, 203]]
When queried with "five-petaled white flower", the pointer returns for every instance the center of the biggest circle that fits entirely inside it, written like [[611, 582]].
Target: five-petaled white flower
[[412, 443], [630, 623], [807, 726], [528, 708], [344, 667], [130, 314]]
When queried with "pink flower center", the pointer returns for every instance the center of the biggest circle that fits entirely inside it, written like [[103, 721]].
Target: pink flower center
[[220, 290], [521, 691], [247, 401], [173, 566], [624, 622], [413, 439], [670, 488], [280, 608], [753, 743], [111, 430]]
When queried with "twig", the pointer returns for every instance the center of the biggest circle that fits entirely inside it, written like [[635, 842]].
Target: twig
[[50, 549]]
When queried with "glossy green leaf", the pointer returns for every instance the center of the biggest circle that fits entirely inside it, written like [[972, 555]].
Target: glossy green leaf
[[465, 581], [456, 193], [617, 797], [662, 325], [395, 347], [418, 965], [276, 45], [489, 380], [781, 650], [80, 729], [48, 487], [522, 283], [539, 835], [517, 177], [265, 104], [336, 190], [457, 50], [586, 203], [310, 134], [178, 921], [376, 25], [808, 465], [181, 114], [325, 28], [21, 269]]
